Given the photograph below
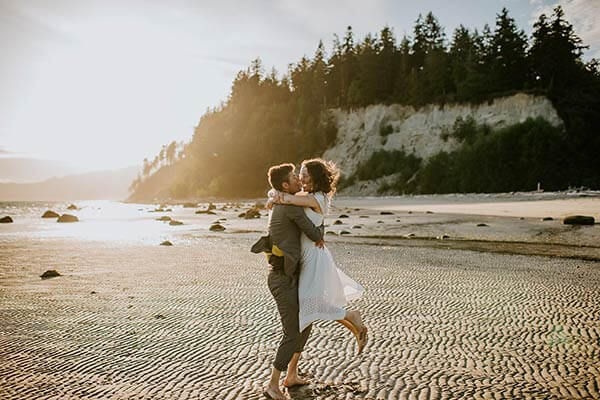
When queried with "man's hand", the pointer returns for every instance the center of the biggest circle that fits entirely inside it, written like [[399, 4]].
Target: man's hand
[[320, 244]]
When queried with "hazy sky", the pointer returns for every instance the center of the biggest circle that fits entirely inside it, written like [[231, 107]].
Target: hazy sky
[[103, 84]]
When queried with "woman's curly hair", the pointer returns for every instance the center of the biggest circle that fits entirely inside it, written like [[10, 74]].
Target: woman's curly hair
[[324, 175]]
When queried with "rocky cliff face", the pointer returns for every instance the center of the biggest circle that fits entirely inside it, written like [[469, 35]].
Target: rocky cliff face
[[421, 131]]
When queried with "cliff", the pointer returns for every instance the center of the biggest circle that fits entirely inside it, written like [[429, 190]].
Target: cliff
[[422, 132]]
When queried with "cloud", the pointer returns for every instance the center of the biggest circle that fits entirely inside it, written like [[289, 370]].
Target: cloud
[[583, 14]]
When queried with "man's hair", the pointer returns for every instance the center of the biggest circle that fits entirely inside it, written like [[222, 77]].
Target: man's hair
[[279, 174]]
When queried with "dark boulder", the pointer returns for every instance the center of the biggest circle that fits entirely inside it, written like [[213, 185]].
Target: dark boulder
[[578, 220], [252, 213], [72, 207], [343, 216], [67, 218], [50, 214], [209, 212], [547, 219], [51, 273], [6, 220], [217, 228], [386, 213], [174, 223], [164, 218], [337, 222], [482, 224], [166, 243]]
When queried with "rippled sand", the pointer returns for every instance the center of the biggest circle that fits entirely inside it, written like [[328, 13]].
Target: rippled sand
[[196, 321]]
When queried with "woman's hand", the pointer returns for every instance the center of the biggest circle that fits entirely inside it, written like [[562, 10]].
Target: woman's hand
[[275, 197]]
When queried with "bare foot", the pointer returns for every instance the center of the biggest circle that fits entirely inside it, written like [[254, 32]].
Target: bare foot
[[295, 381], [362, 339], [360, 330], [274, 393]]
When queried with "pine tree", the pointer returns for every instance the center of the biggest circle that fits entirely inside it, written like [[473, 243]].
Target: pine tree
[[509, 69]]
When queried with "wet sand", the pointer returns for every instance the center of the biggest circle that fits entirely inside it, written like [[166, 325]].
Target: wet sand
[[196, 321]]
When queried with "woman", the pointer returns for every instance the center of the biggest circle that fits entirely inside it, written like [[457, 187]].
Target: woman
[[323, 289]]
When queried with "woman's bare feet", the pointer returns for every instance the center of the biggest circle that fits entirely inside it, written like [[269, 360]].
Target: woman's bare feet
[[291, 381], [360, 330]]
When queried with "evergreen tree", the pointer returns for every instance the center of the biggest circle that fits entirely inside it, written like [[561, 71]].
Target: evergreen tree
[[387, 64], [363, 89], [507, 57]]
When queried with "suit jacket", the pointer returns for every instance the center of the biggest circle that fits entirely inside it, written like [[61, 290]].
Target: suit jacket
[[285, 225]]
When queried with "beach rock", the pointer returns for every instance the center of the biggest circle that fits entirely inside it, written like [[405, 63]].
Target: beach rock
[[93, 292], [67, 218], [381, 222], [410, 212], [217, 228], [51, 273], [345, 232], [428, 212], [482, 224], [164, 218], [190, 205], [206, 212], [521, 218], [6, 220], [159, 316], [252, 213], [578, 220], [357, 227], [331, 233], [174, 223], [72, 207], [166, 243], [444, 236], [547, 219], [386, 213], [409, 235], [337, 222], [50, 214], [344, 216], [364, 216]]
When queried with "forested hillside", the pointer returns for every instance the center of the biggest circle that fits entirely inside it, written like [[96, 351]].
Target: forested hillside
[[269, 119]]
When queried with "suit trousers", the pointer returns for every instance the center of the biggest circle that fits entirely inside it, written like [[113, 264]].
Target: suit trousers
[[285, 292]]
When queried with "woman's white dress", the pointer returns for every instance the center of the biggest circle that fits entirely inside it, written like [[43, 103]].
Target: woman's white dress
[[323, 289]]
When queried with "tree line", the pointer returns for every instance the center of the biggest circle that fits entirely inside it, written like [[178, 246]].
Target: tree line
[[268, 119]]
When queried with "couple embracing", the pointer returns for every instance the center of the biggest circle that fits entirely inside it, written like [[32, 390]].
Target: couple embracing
[[303, 278]]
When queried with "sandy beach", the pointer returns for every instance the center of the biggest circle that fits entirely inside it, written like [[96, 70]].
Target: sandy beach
[[129, 319]]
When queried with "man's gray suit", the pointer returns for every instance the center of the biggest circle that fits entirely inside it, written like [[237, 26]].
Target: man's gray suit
[[285, 226]]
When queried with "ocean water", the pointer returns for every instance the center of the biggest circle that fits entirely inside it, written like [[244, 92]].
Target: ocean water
[[107, 221]]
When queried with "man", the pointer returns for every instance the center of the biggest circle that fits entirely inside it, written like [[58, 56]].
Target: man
[[283, 250]]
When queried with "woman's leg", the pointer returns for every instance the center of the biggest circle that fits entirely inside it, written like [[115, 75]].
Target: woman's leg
[[353, 322]]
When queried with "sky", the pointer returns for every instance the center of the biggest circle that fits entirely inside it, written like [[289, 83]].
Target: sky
[[102, 84]]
